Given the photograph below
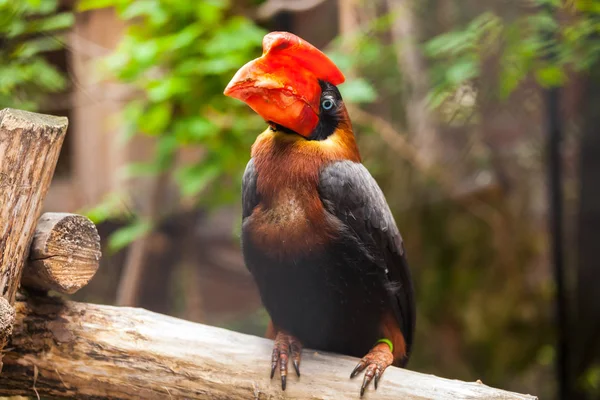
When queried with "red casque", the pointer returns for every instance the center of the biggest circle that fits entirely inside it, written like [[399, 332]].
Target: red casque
[[282, 85]]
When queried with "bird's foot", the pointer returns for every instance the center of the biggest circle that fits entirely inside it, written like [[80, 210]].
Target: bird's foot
[[379, 358], [285, 346]]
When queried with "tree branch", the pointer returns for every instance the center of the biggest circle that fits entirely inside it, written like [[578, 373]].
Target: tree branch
[[88, 351]]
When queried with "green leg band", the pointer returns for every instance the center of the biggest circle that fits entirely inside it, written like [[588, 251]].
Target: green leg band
[[386, 341]]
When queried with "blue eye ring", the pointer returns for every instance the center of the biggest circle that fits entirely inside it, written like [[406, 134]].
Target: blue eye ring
[[327, 104]]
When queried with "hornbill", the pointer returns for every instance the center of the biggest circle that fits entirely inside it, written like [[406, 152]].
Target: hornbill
[[317, 233]]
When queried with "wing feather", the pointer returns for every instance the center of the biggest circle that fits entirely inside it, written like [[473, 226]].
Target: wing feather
[[349, 192], [250, 198]]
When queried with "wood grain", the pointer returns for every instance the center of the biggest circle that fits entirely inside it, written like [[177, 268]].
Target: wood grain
[[88, 351], [65, 253], [29, 147]]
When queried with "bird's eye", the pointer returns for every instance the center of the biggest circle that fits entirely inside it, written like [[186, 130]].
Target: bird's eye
[[327, 104]]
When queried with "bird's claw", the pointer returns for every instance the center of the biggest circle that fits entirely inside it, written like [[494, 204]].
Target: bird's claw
[[274, 361], [373, 364], [297, 367], [284, 346]]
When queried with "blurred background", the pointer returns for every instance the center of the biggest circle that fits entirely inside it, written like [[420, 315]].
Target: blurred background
[[478, 118]]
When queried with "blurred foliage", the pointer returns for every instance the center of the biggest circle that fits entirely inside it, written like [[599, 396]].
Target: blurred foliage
[[591, 380], [483, 295], [364, 51], [180, 56], [28, 30], [550, 40]]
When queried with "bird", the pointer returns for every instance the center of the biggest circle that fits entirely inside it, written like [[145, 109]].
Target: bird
[[317, 233]]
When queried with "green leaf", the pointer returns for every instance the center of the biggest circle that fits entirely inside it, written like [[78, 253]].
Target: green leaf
[[166, 88], [15, 28], [543, 22], [587, 6], [108, 208], [128, 234], [146, 52], [590, 379], [237, 34], [118, 62], [436, 97], [31, 3], [42, 7], [185, 37], [451, 43], [510, 80], [36, 46], [344, 61], [358, 91], [156, 119], [462, 71], [210, 12], [193, 179], [132, 112], [194, 129], [550, 75], [553, 3], [45, 75], [165, 151], [52, 23], [480, 32], [219, 65], [154, 10], [86, 5], [133, 170]]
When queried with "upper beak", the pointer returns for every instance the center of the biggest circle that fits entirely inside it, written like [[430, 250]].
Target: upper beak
[[282, 85]]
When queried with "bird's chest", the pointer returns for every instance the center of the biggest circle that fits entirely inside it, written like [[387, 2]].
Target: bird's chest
[[290, 218], [286, 211], [291, 221]]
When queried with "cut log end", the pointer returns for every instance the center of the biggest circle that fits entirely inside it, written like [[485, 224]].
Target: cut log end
[[11, 118], [65, 253]]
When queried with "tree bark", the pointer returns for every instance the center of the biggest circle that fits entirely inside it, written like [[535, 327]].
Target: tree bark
[[586, 347], [65, 253], [29, 148], [420, 121], [76, 350]]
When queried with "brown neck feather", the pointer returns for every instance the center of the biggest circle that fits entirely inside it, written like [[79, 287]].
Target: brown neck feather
[[286, 160]]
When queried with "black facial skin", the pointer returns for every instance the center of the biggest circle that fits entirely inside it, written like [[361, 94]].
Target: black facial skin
[[328, 119]]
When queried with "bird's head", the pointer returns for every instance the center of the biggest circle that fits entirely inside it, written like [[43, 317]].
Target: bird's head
[[291, 86]]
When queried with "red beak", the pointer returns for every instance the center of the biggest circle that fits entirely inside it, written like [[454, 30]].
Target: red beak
[[282, 85]]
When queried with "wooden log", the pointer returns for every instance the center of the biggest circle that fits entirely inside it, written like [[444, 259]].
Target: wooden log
[[29, 148], [64, 349], [65, 253], [7, 320]]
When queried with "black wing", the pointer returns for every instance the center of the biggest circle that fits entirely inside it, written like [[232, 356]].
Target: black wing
[[249, 195], [349, 192]]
